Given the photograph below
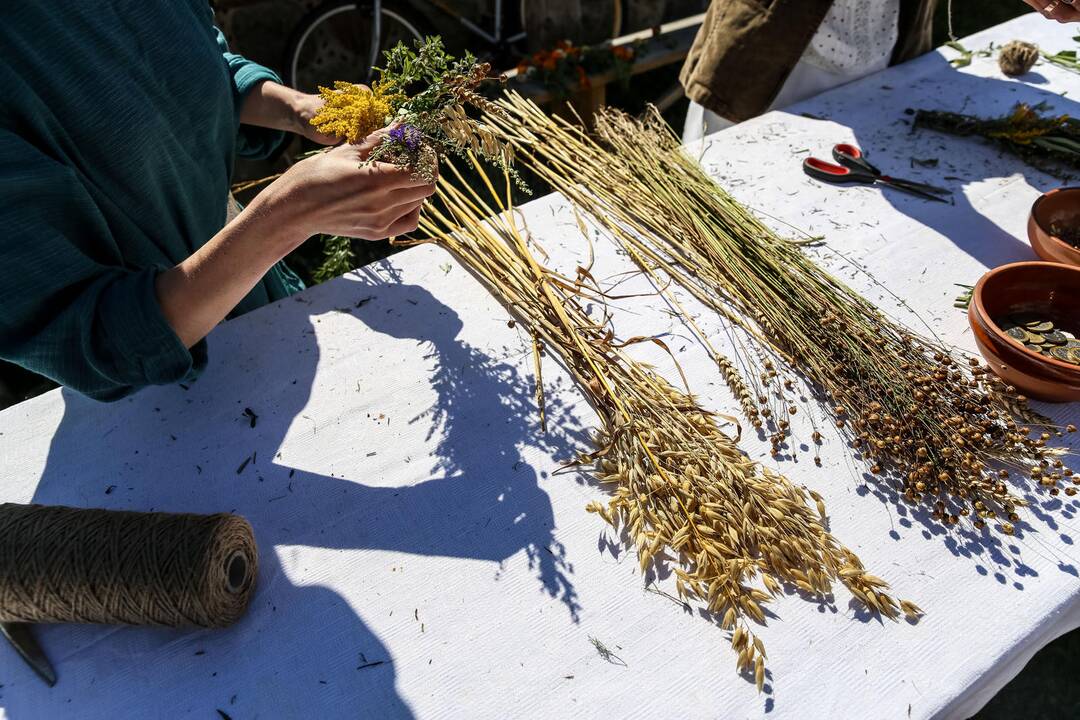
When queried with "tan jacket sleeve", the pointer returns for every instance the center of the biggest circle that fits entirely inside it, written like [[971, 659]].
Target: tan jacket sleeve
[[746, 49]]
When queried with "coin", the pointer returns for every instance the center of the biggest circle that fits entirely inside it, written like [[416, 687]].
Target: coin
[[1074, 355], [1025, 319], [1016, 333], [1060, 353], [1035, 338], [1041, 327], [1055, 337]]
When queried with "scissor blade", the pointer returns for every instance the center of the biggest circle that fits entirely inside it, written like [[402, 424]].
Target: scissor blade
[[917, 185], [22, 639], [927, 188], [904, 187]]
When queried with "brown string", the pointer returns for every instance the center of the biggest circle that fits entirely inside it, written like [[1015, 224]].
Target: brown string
[[69, 565]]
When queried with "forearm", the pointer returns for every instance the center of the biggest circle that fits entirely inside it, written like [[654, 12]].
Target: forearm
[[272, 105], [330, 193], [198, 293]]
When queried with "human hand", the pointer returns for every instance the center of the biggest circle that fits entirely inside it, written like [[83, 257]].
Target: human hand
[[304, 108], [1060, 10], [332, 193]]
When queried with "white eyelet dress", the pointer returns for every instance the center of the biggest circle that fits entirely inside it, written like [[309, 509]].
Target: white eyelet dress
[[855, 39]]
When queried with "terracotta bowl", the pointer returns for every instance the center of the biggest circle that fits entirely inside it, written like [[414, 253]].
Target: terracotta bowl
[[1048, 289], [1057, 206]]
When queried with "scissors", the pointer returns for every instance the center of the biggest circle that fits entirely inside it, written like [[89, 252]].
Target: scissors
[[22, 639], [853, 167]]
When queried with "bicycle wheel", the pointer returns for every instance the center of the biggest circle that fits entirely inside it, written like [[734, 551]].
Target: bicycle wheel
[[335, 42]]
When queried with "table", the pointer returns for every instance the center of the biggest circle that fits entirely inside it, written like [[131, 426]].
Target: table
[[423, 552]]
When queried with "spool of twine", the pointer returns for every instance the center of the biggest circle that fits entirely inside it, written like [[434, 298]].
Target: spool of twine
[[69, 565]]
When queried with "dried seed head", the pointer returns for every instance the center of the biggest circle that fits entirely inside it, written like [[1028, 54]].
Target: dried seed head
[[1017, 58]]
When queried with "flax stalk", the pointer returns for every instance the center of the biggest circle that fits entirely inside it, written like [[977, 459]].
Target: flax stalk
[[943, 427]]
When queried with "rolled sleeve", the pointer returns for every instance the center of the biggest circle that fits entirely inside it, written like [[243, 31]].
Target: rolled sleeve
[[106, 339], [136, 341], [69, 307], [251, 141]]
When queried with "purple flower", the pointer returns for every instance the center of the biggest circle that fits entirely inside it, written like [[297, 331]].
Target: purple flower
[[408, 135]]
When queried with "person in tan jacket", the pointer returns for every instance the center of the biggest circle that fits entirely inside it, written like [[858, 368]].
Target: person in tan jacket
[[753, 55]]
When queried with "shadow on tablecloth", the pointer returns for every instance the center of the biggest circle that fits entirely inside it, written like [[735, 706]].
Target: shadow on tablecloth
[[883, 130], [301, 651]]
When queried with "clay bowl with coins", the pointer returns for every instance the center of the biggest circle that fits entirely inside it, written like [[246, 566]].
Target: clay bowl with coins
[[1026, 321], [1054, 226]]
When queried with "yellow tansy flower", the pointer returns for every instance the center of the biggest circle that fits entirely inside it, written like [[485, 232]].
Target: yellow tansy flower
[[352, 111]]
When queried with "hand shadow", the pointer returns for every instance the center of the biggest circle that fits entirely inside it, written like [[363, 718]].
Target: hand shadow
[[301, 650]]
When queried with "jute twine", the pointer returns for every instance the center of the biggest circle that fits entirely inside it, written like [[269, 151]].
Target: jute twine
[[68, 565]]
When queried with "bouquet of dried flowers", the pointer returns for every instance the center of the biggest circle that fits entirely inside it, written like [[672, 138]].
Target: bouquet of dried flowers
[[423, 93], [1023, 131]]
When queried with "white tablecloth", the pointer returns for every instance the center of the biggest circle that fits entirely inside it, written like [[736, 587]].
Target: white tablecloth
[[421, 552]]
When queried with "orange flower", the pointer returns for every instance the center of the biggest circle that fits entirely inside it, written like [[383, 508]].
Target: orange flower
[[583, 79]]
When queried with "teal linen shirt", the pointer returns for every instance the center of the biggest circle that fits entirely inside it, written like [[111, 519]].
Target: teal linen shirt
[[119, 123]]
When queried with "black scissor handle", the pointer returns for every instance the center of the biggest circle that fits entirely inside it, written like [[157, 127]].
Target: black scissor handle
[[850, 156], [836, 174]]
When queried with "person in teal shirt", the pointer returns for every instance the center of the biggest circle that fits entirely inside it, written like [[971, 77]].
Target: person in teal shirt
[[118, 130]]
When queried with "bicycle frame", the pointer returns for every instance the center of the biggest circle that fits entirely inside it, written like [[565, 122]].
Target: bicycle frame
[[495, 37], [376, 33]]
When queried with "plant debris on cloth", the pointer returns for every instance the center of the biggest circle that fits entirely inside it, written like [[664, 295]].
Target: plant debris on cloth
[[1023, 132], [682, 491], [966, 56], [941, 428], [1018, 57]]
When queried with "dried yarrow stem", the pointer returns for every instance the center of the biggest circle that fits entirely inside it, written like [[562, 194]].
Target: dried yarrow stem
[[680, 487], [946, 429]]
